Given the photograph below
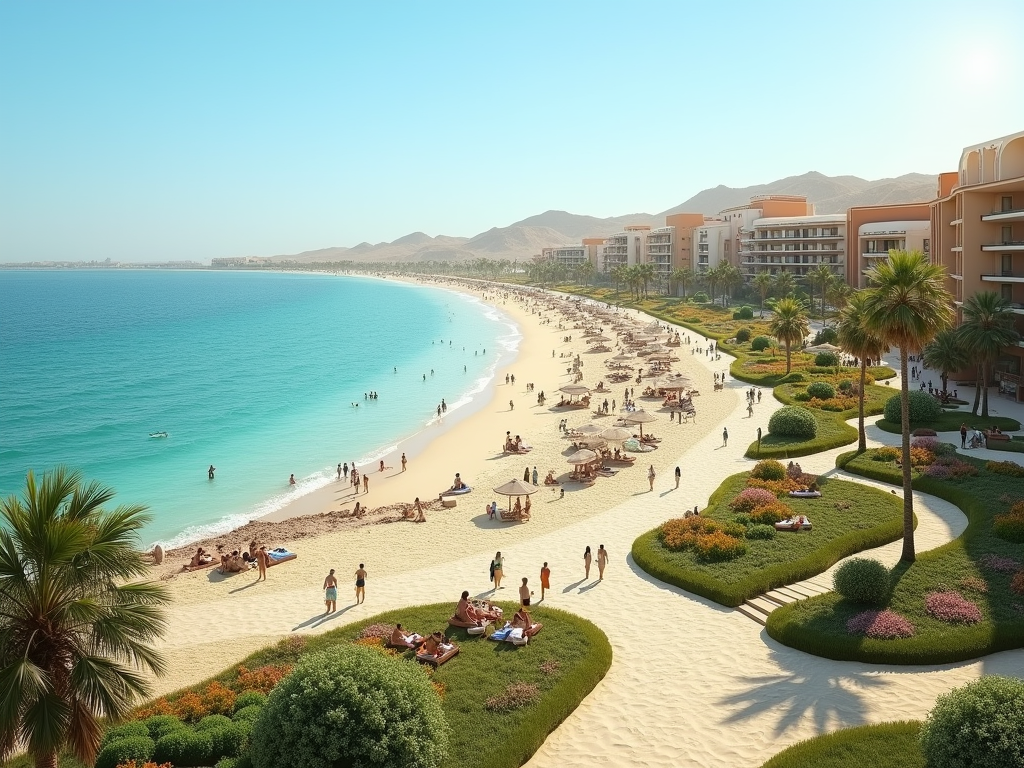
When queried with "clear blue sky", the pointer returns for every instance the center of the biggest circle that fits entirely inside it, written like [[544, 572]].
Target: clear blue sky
[[155, 130]]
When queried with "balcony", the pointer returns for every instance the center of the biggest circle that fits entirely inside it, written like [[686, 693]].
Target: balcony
[[1004, 277], [1014, 214], [1011, 245]]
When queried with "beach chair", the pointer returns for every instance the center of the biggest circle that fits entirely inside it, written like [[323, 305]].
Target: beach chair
[[437, 661], [405, 646]]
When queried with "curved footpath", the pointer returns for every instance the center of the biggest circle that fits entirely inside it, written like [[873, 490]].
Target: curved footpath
[[691, 682]]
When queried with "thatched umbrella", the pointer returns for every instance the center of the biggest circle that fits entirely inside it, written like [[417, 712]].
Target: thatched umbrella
[[617, 434], [598, 339], [588, 429], [575, 389], [581, 457], [640, 417], [516, 488]]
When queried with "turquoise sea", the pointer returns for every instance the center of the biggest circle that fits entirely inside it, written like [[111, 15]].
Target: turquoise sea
[[255, 373]]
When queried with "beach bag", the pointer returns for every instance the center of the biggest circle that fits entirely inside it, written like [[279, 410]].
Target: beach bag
[[492, 570]]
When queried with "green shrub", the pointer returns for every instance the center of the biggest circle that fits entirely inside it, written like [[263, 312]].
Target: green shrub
[[743, 335], [760, 531], [250, 698], [846, 385], [795, 376], [793, 421], [826, 360], [392, 716], [244, 761], [826, 336], [161, 725], [760, 343], [247, 714], [821, 390], [227, 741], [734, 529], [769, 469], [923, 408], [137, 748], [184, 747], [743, 313], [743, 520], [700, 298], [124, 731], [862, 580], [1005, 468], [1010, 525], [980, 725], [802, 397], [210, 722]]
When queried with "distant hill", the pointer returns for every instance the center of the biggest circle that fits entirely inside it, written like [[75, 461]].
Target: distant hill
[[524, 239]]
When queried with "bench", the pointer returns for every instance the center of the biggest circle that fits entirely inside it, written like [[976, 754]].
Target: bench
[[997, 436]]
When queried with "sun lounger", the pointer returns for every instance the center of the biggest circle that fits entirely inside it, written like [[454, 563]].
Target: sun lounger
[[515, 636], [800, 523], [280, 555], [437, 661], [805, 494], [405, 646], [455, 621]]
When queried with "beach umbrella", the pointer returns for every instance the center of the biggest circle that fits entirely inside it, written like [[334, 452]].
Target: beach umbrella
[[640, 417], [596, 339], [669, 384], [588, 429], [617, 434], [582, 456], [516, 488], [575, 389], [594, 442]]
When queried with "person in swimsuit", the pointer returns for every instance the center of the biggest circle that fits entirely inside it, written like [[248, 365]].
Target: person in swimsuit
[[360, 585], [210, 471], [524, 593], [331, 592], [404, 460], [497, 569], [545, 579], [398, 637], [587, 559], [291, 480], [420, 517], [262, 560], [602, 560]]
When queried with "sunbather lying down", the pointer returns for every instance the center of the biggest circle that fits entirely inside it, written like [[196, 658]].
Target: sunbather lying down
[[400, 637], [470, 615], [435, 645]]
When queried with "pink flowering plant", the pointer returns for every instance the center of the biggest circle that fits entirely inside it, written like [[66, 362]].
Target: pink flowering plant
[[952, 608], [880, 625], [999, 563], [751, 498]]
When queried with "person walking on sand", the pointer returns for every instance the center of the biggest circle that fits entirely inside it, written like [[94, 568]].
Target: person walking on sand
[[420, 517], [524, 594], [587, 559], [339, 471], [602, 560], [750, 409], [526, 474], [511, 405], [262, 561], [725, 436], [344, 470], [545, 579], [535, 476], [331, 592], [366, 483], [360, 585], [679, 476], [650, 476], [404, 461], [497, 569]]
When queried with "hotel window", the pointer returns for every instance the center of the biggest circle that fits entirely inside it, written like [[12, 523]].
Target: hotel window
[[1007, 292], [1007, 266], [927, 245], [1006, 203], [1007, 235]]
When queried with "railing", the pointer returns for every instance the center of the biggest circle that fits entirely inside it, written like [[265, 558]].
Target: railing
[[1003, 244]]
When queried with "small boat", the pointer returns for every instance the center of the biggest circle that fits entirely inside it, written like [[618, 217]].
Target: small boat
[[158, 434]]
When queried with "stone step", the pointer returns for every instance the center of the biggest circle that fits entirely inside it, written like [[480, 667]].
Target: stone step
[[802, 590], [777, 596], [793, 595], [750, 613], [761, 604]]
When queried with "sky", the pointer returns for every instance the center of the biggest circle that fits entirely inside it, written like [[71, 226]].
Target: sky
[[148, 131]]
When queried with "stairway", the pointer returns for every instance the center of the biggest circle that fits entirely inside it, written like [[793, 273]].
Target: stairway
[[758, 608]]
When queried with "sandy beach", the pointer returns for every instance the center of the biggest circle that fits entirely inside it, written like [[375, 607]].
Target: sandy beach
[[691, 683]]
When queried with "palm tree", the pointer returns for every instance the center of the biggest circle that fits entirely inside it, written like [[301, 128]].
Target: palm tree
[[838, 292], [856, 339], [646, 273], [762, 283], [784, 284], [789, 325], [619, 276], [819, 278], [906, 307], [713, 278], [987, 326], [585, 271], [946, 353], [75, 634], [730, 277]]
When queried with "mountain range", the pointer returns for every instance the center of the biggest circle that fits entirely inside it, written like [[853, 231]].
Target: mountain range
[[524, 239]]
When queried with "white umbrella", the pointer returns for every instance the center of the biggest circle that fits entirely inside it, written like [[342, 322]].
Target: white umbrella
[[575, 389], [583, 456], [517, 488], [616, 434], [640, 417]]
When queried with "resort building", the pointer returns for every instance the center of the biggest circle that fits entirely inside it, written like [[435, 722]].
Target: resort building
[[794, 244], [712, 239], [873, 230], [658, 253], [977, 233], [570, 256], [626, 248], [741, 219], [685, 225]]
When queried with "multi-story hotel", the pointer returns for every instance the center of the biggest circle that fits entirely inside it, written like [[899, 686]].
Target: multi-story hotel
[[794, 244], [711, 238], [626, 248], [977, 234], [873, 230], [659, 253]]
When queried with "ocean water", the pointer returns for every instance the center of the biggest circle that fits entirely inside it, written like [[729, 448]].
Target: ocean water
[[258, 374]]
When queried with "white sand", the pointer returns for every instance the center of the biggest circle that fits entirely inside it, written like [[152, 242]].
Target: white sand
[[691, 683]]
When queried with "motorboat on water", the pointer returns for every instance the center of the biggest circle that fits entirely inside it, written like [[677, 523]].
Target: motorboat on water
[[158, 434]]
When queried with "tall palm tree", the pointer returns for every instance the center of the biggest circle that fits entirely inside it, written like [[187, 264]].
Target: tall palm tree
[[946, 353], [619, 276], [838, 292], [784, 284], [906, 307], [987, 326], [75, 634], [730, 277], [586, 271], [763, 283], [645, 272], [857, 340], [713, 278], [686, 278], [789, 324], [818, 278]]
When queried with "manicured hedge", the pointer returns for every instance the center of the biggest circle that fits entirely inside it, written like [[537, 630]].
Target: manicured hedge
[[923, 408], [886, 745], [950, 421]]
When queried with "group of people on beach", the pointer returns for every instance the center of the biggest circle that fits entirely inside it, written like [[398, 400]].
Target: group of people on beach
[[331, 589]]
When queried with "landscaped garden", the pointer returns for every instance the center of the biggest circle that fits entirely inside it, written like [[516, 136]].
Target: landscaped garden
[[493, 704], [732, 551], [927, 413], [959, 601]]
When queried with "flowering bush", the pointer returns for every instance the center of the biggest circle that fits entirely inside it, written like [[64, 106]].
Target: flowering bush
[[949, 468], [886, 454], [980, 725], [750, 499], [880, 625], [682, 533], [383, 631], [952, 608], [768, 469], [1017, 582], [1005, 468], [262, 679], [718, 546], [783, 487], [1010, 525], [146, 764], [920, 457], [771, 513], [999, 563], [974, 584], [835, 404]]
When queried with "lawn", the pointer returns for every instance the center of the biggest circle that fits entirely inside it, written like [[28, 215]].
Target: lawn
[[950, 421], [887, 745], [967, 565], [833, 431], [565, 661], [849, 518]]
